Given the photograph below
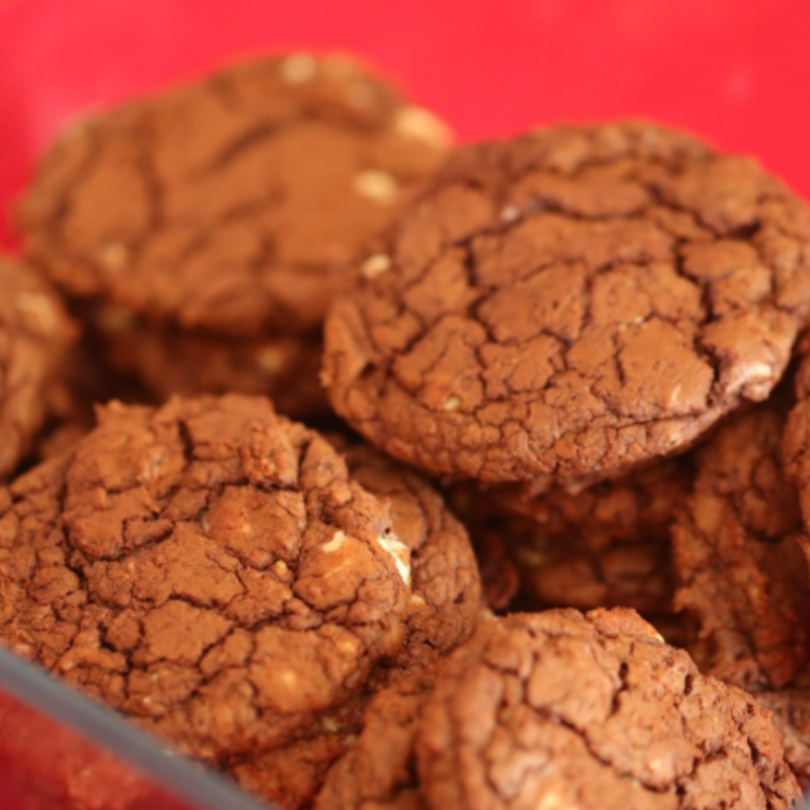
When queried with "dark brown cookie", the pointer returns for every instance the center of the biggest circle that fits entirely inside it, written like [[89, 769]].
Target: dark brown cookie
[[225, 207], [739, 555], [557, 710], [209, 569], [570, 304], [605, 546], [35, 338], [445, 607]]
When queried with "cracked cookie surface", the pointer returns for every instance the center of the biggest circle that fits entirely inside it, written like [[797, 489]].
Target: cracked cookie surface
[[740, 555], [208, 569], [559, 710], [222, 205], [208, 227], [444, 610], [36, 336], [570, 304]]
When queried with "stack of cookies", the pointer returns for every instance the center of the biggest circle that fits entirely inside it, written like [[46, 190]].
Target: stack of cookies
[[587, 337]]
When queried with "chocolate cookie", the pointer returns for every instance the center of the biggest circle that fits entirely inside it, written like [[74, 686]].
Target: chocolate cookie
[[225, 207], [605, 546], [739, 555], [208, 569], [445, 607], [558, 710], [570, 304], [35, 338]]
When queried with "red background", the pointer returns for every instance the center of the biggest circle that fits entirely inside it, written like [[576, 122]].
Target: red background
[[737, 71]]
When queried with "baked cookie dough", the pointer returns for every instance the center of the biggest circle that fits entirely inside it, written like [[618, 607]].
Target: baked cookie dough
[[36, 336], [209, 569], [605, 546], [740, 555], [444, 610], [226, 207], [558, 710], [568, 305]]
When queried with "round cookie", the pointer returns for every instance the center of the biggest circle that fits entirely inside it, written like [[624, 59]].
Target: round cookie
[[35, 338], [209, 569], [605, 546], [445, 607], [557, 710], [226, 206], [740, 555], [570, 304]]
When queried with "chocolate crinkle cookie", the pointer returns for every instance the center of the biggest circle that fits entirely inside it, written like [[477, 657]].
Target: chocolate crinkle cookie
[[222, 210], [568, 305], [36, 336], [444, 609], [558, 710], [209, 569], [740, 555], [605, 546]]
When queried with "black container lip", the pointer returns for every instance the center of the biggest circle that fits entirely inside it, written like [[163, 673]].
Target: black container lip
[[42, 693]]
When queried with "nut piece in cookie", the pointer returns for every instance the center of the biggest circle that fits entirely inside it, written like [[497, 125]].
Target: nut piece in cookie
[[560, 710], [571, 304], [223, 208], [209, 569], [36, 336]]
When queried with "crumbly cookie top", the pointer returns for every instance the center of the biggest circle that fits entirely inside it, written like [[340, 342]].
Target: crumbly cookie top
[[559, 710], [571, 303], [738, 555], [208, 568]]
